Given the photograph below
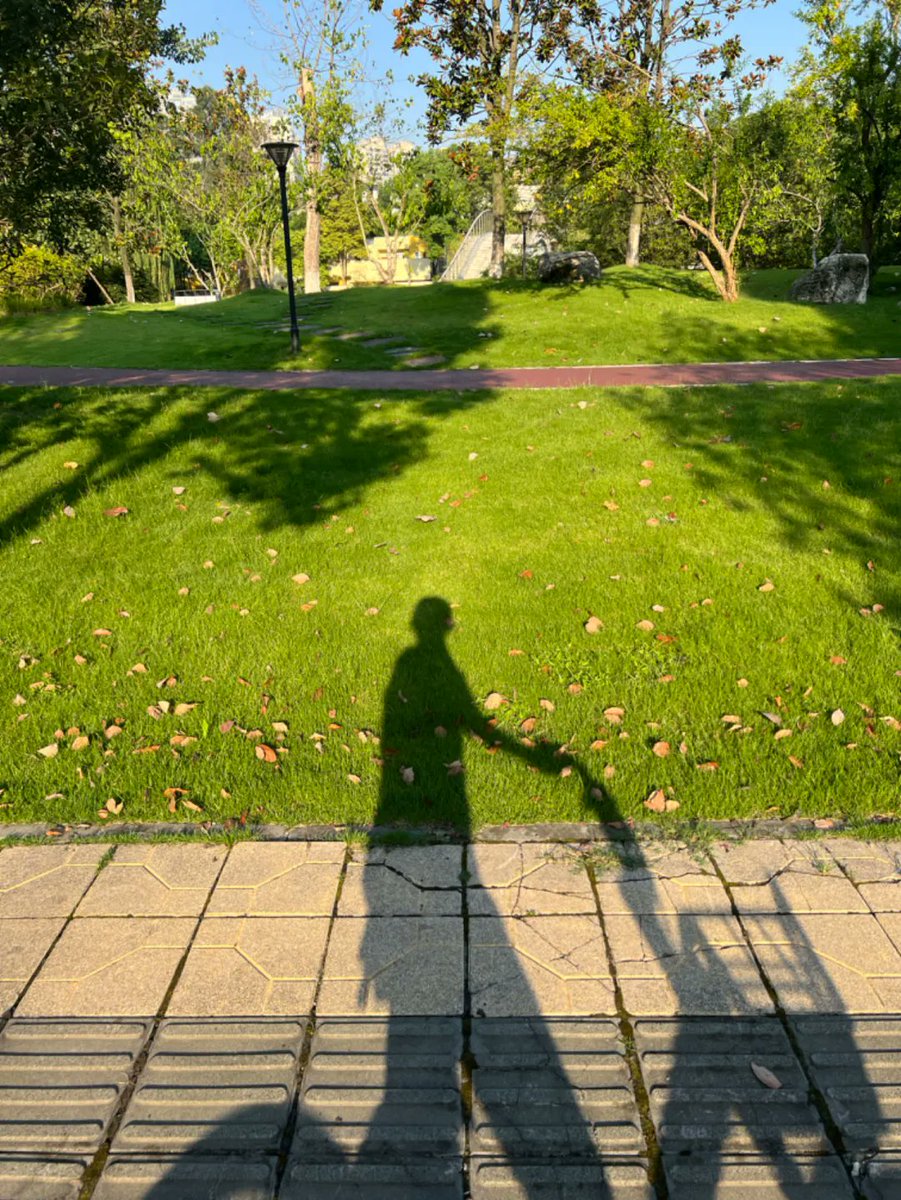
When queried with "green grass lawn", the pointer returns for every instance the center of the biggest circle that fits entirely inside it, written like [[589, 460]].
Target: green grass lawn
[[647, 315], [661, 514]]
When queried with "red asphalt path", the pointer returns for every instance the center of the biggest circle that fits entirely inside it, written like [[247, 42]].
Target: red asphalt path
[[461, 379]]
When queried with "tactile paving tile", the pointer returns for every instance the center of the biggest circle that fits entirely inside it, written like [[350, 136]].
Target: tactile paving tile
[[60, 1081], [33, 1179], [856, 1063], [704, 1095], [214, 1085], [878, 1178], [494, 1180], [382, 1089], [187, 1178], [788, 1178], [551, 1088], [440, 1179]]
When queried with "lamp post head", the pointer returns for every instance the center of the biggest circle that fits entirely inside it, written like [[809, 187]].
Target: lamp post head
[[280, 152]]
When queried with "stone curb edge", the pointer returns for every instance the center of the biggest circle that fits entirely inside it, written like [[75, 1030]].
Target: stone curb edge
[[738, 830]]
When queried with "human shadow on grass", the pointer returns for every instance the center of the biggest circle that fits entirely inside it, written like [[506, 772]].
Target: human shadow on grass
[[388, 1110]]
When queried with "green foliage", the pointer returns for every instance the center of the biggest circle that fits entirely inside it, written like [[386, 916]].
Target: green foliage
[[70, 76], [39, 278]]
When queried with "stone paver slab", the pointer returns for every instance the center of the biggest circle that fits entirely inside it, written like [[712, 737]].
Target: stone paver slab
[[833, 962], [551, 1089], [214, 1086], [403, 881], [60, 1081], [251, 966], [879, 1178], [493, 1180], [533, 966], [876, 869], [37, 1179], [154, 881], [284, 879], [435, 1179], [526, 880], [382, 1089], [45, 881], [786, 1178], [655, 879], [187, 1178], [705, 1098], [856, 1064], [109, 966], [401, 966], [686, 965], [783, 877], [23, 943]]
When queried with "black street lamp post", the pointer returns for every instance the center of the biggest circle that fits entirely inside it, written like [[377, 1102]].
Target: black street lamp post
[[280, 153]]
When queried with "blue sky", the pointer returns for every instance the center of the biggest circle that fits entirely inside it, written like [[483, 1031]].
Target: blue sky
[[243, 41]]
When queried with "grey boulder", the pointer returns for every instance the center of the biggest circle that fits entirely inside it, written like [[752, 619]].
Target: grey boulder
[[838, 279], [575, 266]]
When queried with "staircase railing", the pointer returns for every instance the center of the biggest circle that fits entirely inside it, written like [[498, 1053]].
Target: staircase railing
[[459, 265]]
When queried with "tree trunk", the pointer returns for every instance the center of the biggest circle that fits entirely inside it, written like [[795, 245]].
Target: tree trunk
[[499, 212], [119, 233], [313, 153], [633, 240]]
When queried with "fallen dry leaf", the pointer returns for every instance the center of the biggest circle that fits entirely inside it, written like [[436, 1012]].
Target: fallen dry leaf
[[766, 1076], [213, 417], [185, 707], [767, 586], [730, 719], [494, 701], [354, 779], [782, 733], [837, 717], [614, 715], [528, 724], [119, 511], [645, 626], [266, 753], [712, 765], [611, 506], [407, 774], [837, 660], [71, 466], [69, 511], [593, 625], [50, 751], [178, 491], [661, 749], [455, 767], [426, 518], [547, 705], [103, 633], [796, 762]]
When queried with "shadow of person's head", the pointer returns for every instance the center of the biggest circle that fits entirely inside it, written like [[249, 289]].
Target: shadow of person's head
[[432, 619]]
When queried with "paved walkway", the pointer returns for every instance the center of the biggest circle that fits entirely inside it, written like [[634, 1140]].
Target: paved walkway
[[459, 379], [497, 1021]]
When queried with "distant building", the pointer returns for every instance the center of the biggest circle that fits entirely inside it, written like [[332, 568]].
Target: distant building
[[379, 158]]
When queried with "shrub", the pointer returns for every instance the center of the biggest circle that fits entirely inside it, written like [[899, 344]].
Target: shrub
[[40, 279]]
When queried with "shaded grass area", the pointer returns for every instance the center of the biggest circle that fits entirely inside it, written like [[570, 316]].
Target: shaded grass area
[[295, 701], [646, 315]]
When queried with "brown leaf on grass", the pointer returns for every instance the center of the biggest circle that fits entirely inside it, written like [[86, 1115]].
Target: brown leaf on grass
[[661, 749], [609, 771], [50, 751], [711, 765], [103, 633], [648, 464], [178, 491], [300, 578], [614, 715], [837, 717], [644, 483], [659, 802], [796, 762], [837, 660], [146, 749], [730, 719], [611, 506], [407, 774], [767, 586], [181, 739], [265, 753], [547, 705], [494, 701], [114, 806], [766, 1076], [742, 683], [69, 511], [71, 466], [774, 718], [426, 518], [371, 612], [653, 522], [782, 733], [528, 724], [112, 731], [593, 625], [666, 639], [185, 707], [645, 626], [667, 679], [119, 511], [139, 669], [454, 768], [309, 606]]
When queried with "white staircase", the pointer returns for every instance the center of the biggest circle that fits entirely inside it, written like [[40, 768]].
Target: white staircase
[[473, 257]]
